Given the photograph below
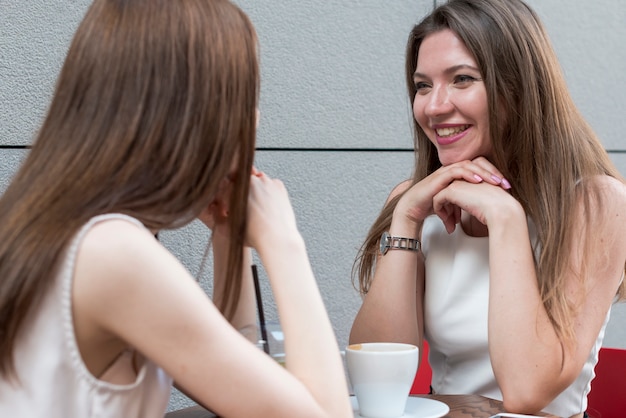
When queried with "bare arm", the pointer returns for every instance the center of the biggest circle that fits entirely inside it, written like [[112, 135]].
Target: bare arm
[[390, 309], [527, 357], [215, 217], [134, 290], [244, 319], [546, 369]]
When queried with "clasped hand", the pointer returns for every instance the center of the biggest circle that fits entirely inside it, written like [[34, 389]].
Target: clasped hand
[[475, 186], [270, 214]]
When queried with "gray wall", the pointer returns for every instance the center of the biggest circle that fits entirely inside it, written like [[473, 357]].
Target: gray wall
[[335, 121]]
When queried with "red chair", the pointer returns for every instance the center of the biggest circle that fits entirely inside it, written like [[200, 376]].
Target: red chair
[[424, 375], [607, 398]]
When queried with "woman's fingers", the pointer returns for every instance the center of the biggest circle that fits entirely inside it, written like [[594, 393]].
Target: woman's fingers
[[256, 172], [492, 171], [438, 194], [418, 200], [269, 209], [446, 209], [450, 215]]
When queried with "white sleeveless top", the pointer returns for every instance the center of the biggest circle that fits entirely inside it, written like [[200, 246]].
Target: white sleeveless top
[[455, 319], [54, 381]]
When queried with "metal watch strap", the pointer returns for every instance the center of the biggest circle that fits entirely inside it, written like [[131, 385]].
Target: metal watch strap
[[388, 242]]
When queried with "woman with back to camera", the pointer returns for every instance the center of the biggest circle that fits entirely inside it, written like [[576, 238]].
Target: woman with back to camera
[[519, 211], [153, 124]]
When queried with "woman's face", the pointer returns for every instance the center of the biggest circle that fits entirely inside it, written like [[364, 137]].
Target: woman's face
[[451, 100]]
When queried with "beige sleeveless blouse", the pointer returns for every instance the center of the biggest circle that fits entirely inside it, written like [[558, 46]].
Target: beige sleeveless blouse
[[53, 380]]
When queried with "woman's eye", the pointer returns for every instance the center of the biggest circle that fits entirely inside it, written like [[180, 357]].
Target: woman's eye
[[421, 87], [464, 79]]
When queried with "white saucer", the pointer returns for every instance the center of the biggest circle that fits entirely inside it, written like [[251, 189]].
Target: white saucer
[[416, 407]]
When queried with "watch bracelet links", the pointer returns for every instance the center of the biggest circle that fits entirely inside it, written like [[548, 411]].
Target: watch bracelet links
[[389, 242], [402, 243]]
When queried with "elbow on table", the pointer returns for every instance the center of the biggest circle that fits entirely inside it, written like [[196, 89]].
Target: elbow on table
[[517, 405], [522, 396], [525, 400], [525, 403]]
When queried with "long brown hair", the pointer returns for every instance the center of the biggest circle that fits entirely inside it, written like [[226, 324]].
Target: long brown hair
[[154, 101], [547, 151]]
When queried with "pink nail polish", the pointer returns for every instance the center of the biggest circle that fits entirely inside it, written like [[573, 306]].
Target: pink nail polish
[[478, 178], [506, 184], [496, 178]]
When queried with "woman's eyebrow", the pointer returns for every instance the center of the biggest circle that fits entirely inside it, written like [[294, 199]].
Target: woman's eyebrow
[[448, 70]]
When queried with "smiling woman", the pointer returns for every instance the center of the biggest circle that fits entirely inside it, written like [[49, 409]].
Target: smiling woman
[[519, 212]]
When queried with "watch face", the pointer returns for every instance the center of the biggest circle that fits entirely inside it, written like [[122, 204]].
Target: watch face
[[384, 243]]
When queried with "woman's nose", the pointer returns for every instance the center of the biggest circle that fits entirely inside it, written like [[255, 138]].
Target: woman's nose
[[439, 102]]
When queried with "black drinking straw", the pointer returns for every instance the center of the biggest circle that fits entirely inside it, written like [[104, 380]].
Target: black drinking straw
[[259, 306]]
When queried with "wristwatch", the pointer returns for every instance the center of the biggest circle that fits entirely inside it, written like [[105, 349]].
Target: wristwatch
[[387, 242]]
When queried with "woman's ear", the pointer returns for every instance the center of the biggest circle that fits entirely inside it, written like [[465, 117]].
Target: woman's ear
[[213, 214]]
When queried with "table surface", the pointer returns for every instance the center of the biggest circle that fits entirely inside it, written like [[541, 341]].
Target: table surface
[[461, 406]]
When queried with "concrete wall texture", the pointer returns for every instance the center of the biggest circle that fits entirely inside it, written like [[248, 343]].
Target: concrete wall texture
[[335, 119]]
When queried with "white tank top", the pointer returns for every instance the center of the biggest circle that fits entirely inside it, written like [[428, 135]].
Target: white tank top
[[54, 381], [455, 319]]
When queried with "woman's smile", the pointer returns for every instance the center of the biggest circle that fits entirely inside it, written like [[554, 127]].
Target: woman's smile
[[447, 135]]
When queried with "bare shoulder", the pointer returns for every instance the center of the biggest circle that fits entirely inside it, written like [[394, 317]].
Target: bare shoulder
[[609, 185], [116, 258], [608, 216], [612, 194], [114, 237], [115, 247]]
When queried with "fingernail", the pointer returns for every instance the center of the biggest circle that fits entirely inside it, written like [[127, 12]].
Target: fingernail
[[496, 178], [506, 184], [478, 178]]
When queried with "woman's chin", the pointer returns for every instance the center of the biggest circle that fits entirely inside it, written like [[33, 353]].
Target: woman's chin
[[449, 158]]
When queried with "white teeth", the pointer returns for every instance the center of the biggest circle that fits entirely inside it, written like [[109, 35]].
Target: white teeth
[[443, 132]]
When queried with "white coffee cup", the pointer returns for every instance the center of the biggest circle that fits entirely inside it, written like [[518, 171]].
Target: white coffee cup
[[381, 375]]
